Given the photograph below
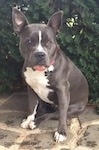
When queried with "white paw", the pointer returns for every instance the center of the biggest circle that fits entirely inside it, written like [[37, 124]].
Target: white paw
[[59, 137], [32, 125], [24, 124]]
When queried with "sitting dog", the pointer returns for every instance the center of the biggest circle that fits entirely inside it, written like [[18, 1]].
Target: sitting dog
[[50, 75]]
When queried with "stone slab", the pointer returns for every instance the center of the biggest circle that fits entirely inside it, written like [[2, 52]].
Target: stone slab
[[16, 102]]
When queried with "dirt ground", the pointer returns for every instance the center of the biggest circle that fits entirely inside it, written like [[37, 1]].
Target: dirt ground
[[13, 137]]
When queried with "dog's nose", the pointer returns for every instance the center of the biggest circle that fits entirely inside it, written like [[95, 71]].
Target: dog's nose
[[40, 55]]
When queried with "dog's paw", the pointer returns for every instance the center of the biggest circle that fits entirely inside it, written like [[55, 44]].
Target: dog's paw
[[59, 137], [32, 125], [24, 124]]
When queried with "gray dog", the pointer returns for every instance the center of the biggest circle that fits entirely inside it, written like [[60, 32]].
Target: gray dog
[[50, 75]]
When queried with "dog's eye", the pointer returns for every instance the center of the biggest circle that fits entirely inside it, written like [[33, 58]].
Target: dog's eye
[[48, 42], [29, 41]]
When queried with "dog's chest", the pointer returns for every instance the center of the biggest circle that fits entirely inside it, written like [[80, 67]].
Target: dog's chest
[[39, 83]]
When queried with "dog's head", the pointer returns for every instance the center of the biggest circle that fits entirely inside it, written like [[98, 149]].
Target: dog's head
[[37, 41]]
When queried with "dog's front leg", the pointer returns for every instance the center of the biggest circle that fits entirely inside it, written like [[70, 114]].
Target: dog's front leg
[[33, 101], [63, 95]]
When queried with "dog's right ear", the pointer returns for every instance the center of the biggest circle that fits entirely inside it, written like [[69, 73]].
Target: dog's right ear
[[19, 20]]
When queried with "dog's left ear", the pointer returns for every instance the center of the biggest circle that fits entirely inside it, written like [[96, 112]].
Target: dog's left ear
[[55, 21]]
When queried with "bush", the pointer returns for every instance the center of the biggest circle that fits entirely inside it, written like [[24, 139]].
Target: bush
[[79, 38]]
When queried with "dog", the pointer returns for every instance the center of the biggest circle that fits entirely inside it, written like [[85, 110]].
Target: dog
[[50, 75]]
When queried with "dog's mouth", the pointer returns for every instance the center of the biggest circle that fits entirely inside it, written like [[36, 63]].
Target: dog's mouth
[[39, 67], [42, 67]]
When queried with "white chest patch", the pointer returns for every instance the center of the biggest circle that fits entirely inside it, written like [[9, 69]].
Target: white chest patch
[[38, 82]]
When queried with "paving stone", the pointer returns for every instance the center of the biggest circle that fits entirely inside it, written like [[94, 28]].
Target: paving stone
[[83, 148], [8, 138], [43, 141], [12, 119], [91, 138], [3, 98], [16, 102], [12, 137]]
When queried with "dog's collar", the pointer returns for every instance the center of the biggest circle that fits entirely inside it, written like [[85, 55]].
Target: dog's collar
[[49, 70], [51, 67]]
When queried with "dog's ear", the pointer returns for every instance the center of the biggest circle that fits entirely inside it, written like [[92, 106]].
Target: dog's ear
[[55, 21], [19, 20]]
